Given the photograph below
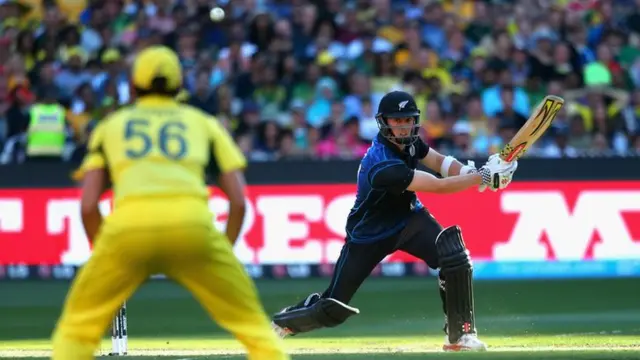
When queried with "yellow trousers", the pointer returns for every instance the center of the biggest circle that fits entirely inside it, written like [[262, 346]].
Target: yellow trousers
[[197, 257]]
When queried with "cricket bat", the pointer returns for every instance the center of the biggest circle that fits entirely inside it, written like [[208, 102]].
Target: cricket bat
[[533, 129]]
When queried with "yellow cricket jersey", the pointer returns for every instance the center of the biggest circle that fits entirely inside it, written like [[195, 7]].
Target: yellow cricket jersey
[[587, 114], [157, 149]]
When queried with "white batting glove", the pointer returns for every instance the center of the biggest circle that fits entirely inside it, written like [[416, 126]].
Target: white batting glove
[[470, 167], [496, 173], [491, 158]]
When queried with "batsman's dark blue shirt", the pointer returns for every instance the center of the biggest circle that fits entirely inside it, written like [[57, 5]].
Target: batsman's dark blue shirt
[[383, 205]]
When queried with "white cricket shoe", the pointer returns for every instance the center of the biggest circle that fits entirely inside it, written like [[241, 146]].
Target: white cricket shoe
[[281, 332], [468, 342]]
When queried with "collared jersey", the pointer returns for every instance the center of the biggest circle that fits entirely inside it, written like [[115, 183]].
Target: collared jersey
[[383, 205]]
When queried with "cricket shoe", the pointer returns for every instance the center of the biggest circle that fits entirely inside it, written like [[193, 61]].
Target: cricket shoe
[[280, 331], [284, 332], [467, 342]]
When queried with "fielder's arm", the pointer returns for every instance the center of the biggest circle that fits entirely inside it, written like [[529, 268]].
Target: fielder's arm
[[228, 163], [93, 186], [445, 165], [233, 184], [94, 175]]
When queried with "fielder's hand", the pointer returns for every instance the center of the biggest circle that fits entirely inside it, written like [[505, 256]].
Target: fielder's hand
[[496, 173]]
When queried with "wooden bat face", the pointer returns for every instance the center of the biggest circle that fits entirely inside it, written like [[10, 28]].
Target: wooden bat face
[[531, 131]]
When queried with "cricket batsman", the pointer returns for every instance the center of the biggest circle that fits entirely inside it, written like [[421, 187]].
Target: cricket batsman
[[156, 153], [387, 216]]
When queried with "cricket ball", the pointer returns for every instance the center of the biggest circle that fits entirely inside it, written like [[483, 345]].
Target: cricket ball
[[216, 14]]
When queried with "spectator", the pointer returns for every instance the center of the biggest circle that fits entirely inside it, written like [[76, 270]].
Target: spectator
[[635, 141], [631, 114], [299, 126], [492, 98], [84, 107], [359, 89], [342, 142], [226, 106], [600, 145], [247, 80], [506, 130], [25, 47], [269, 94], [367, 124], [579, 138], [288, 149], [250, 118], [114, 72], [267, 145], [43, 75], [288, 76], [244, 141], [435, 131], [73, 74], [261, 30], [319, 110], [17, 114], [46, 133], [462, 143], [509, 114], [394, 32], [305, 89], [476, 69], [203, 97], [386, 77], [560, 147]]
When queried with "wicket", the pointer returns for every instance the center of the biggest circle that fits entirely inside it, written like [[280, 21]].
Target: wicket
[[119, 332]]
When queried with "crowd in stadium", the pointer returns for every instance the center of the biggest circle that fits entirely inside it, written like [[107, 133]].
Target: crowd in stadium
[[303, 78]]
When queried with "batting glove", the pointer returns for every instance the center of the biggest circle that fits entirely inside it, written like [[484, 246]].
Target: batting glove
[[496, 173]]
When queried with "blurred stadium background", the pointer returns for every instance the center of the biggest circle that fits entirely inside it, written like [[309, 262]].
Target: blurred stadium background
[[297, 83]]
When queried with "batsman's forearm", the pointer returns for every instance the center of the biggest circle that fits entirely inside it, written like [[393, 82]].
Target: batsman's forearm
[[425, 182], [234, 222], [454, 169], [459, 183]]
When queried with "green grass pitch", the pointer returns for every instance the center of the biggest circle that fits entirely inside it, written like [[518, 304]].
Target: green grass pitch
[[400, 319]]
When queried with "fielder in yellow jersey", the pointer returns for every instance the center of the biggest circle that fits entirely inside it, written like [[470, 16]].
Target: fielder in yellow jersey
[[155, 154]]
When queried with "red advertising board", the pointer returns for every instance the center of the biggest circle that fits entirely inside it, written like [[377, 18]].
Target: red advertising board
[[529, 221]]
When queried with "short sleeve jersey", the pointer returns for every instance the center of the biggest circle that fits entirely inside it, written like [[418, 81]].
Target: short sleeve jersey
[[160, 148], [383, 203]]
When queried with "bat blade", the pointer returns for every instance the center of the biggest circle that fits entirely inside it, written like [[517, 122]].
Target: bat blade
[[532, 130]]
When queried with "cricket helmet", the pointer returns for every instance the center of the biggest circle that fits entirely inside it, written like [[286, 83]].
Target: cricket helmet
[[398, 104]]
